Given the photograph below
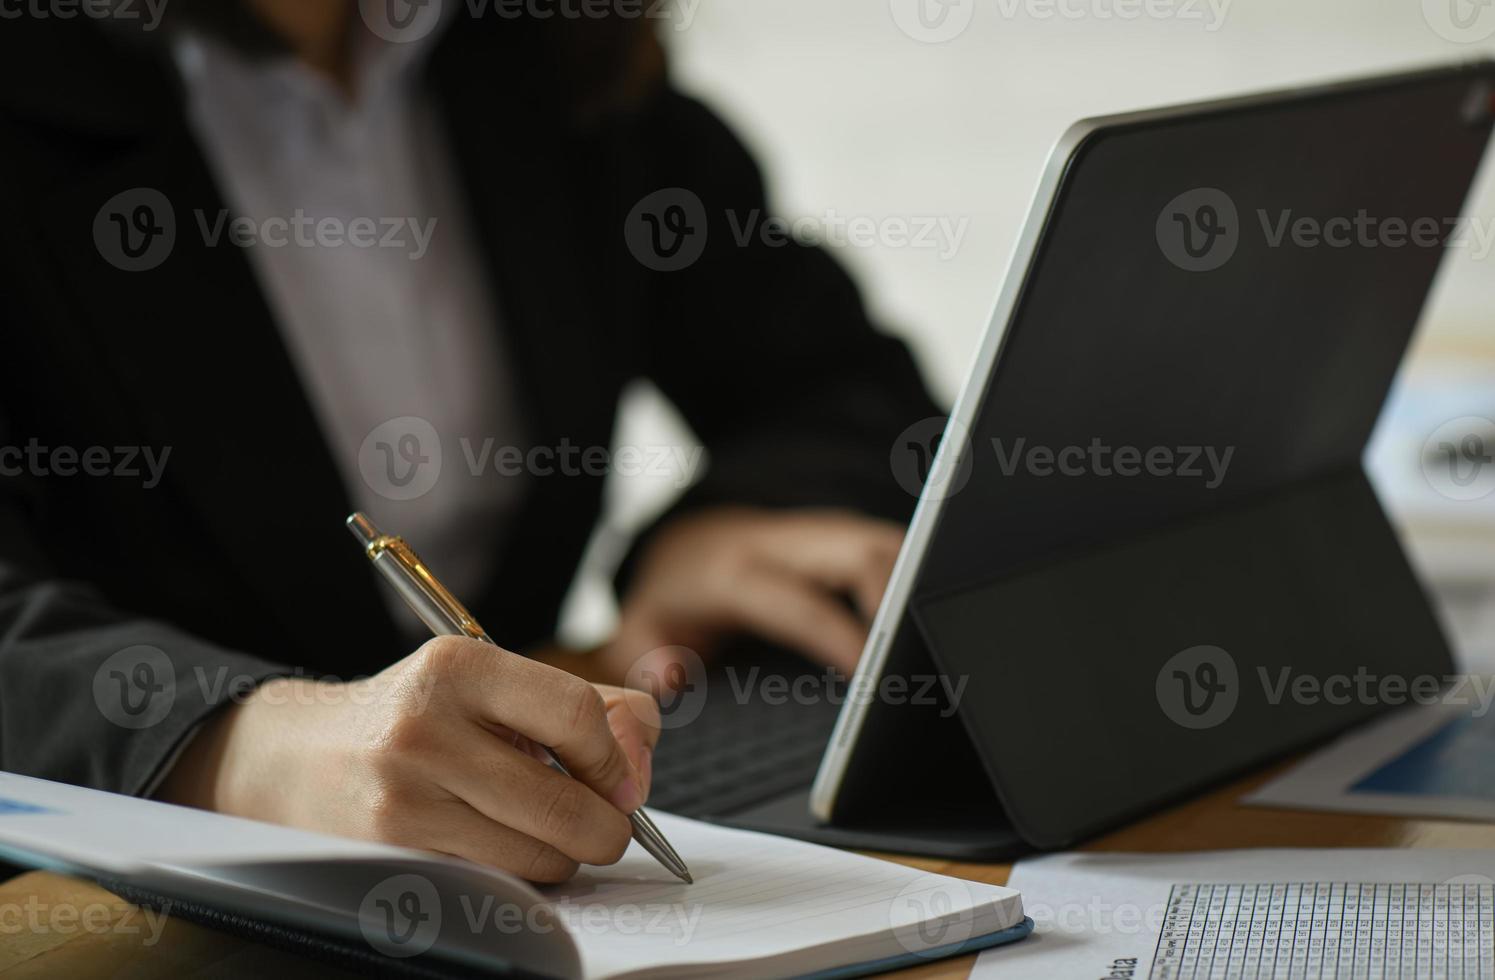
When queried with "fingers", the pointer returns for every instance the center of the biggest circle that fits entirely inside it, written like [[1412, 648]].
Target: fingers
[[638, 655], [547, 705], [511, 788], [797, 614], [843, 552], [633, 717], [453, 827]]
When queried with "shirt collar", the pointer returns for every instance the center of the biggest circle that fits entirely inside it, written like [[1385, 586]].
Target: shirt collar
[[378, 64]]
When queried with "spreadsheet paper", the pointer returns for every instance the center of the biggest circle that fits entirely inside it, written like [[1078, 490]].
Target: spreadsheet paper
[[1262, 914], [1326, 929]]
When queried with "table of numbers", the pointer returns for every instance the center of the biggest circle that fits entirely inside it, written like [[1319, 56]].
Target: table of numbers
[[1303, 930]]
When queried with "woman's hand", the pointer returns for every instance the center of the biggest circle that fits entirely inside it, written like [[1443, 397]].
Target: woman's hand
[[439, 752], [780, 575]]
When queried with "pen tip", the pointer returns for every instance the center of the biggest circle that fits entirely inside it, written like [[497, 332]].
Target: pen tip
[[685, 877]]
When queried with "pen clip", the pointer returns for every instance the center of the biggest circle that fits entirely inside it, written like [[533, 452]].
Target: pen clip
[[387, 546]]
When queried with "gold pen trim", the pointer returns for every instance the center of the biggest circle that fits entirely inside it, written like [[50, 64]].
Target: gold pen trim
[[444, 615], [399, 550]]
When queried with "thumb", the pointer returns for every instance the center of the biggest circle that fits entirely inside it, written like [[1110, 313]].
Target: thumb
[[633, 717]]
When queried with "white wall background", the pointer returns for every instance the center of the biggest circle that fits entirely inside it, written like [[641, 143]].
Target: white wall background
[[850, 114]]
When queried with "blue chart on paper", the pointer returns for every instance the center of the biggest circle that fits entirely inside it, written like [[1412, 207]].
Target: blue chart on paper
[[16, 806], [1458, 760]]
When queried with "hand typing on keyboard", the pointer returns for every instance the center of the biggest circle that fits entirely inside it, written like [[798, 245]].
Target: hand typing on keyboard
[[781, 576]]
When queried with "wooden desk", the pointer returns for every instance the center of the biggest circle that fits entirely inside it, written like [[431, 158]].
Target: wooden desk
[[184, 949]]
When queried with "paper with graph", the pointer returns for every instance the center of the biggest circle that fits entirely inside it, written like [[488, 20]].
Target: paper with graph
[[1257, 915]]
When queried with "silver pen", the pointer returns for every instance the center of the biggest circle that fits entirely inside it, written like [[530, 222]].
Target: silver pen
[[445, 616]]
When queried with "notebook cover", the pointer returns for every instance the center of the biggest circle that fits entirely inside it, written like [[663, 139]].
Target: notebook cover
[[341, 951]]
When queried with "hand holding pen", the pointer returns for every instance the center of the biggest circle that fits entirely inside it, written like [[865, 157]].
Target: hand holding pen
[[440, 611], [424, 755]]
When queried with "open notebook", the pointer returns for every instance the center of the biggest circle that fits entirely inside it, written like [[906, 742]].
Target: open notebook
[[761, 905]]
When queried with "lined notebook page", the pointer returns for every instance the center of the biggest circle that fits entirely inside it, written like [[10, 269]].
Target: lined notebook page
[[772, 904]]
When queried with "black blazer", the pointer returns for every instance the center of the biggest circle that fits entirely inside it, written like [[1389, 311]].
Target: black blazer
[[766, 350]]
